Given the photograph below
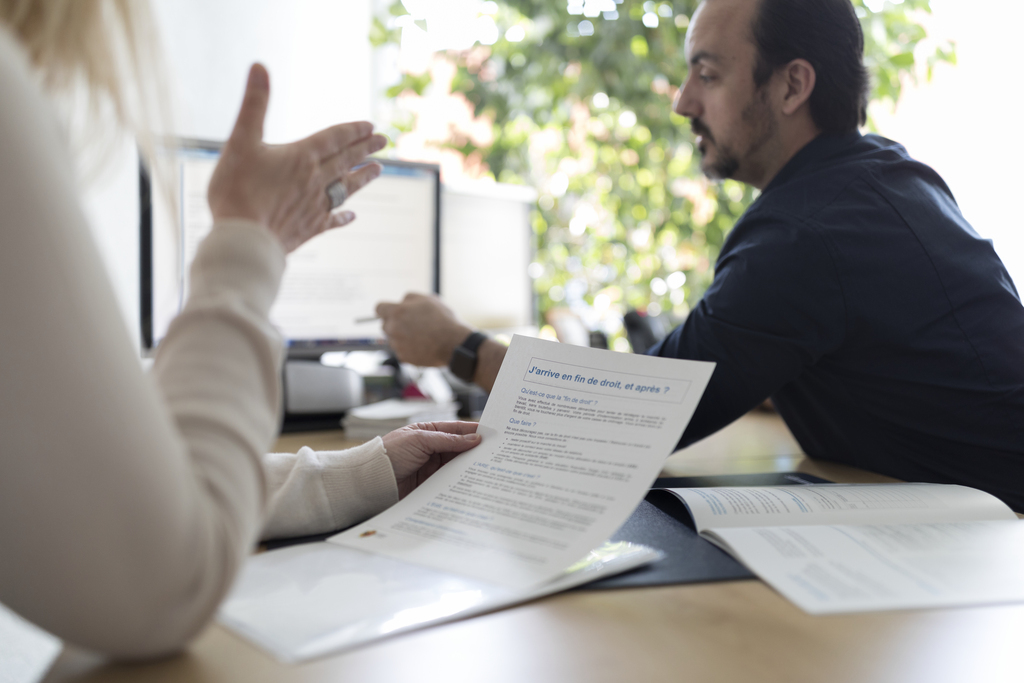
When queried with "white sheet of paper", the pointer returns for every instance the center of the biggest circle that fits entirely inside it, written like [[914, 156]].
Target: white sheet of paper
[[835, 569], [572, 439], [26, 651], [315, 599]]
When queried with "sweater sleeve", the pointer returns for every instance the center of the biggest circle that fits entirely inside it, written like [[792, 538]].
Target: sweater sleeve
[[127, 501], [314, 492]]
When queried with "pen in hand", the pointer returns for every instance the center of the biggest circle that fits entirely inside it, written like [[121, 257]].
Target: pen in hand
[[368, 319]]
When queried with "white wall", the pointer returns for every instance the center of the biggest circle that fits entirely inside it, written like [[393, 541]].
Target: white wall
[[317, 52], [318, 55], [965, 123]]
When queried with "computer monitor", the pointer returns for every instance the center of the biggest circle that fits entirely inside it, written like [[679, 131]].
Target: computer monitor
[[487, 245], [330, 283]]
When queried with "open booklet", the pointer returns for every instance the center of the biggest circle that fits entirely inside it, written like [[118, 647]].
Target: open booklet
[[833, 548], [572, 439]]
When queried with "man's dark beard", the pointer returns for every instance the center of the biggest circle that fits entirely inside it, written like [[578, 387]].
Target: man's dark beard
[[755, 115], [725, 165]]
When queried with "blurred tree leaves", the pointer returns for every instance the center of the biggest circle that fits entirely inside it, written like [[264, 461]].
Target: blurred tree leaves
[[581, 109]]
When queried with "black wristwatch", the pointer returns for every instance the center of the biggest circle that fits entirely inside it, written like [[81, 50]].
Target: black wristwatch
[[463, 362]]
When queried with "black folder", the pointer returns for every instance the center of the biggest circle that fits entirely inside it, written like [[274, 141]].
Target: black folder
[[661, 521]]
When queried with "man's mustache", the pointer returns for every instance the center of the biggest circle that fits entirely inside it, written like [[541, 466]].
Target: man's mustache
[[698, 128]]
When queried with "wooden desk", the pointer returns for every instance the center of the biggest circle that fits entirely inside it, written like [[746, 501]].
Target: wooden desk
[[732, 631]]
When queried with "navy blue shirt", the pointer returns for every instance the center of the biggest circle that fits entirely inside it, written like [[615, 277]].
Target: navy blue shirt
[[886, 331]]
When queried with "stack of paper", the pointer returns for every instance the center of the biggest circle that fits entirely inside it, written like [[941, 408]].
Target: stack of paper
[[377, 419]]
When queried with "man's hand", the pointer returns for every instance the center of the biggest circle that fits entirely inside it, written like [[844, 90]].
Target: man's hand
[[419, 450], [421, 330]]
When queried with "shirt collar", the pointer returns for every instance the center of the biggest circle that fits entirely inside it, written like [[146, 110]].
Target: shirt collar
[[820, 148]]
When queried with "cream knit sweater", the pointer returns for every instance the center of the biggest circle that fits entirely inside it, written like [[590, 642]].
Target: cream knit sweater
[[128, 502]]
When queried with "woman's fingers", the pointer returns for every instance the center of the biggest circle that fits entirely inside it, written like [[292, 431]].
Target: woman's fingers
[[456, 427], [446, 442], [340, 219], [284, 186], [337, 165], [331, 141], [248, 130], [360, 177], [451, 427]]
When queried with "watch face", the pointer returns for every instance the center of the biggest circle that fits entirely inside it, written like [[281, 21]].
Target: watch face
[[463, 362]]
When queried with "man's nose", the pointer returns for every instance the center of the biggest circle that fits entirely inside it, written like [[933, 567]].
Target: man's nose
[[685, 104]]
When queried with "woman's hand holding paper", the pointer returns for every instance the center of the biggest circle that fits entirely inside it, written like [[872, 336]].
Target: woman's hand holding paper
[[419, 450]]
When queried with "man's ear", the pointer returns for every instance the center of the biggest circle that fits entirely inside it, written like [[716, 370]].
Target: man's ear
[[799, 78]]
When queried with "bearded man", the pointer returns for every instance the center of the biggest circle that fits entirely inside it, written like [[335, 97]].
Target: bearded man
[[852, 292]]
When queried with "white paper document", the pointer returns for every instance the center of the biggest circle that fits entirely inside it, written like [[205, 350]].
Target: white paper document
[[314, 599], [572, 439], [834, 548], [724, 507], [828, 569]]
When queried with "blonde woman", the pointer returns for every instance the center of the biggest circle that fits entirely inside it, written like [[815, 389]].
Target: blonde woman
[[127, 501]]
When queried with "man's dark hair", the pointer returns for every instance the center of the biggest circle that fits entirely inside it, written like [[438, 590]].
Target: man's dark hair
[[828, 35]]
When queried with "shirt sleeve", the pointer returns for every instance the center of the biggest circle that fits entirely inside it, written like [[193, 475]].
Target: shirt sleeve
[[775, 307], [127, 501], [313, 492]]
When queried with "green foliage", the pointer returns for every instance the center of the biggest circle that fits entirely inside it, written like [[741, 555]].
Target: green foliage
[[625, 217]]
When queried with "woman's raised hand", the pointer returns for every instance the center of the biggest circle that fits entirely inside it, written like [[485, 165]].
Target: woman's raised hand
[[284, 187]]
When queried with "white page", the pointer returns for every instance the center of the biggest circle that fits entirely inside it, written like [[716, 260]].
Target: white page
[[832, 569], [26, 651], [572, 439], [314, 599], [726, 507]]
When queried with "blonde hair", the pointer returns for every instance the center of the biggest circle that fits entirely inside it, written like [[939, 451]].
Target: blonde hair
[[101, 61]]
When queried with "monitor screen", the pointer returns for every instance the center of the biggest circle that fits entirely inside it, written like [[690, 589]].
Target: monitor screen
[[331, 284], [487, 245]]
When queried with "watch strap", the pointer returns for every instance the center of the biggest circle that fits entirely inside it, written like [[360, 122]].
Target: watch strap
[[464, 357]]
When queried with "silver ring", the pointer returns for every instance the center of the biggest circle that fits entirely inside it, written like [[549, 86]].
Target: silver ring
[[337, 193]]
